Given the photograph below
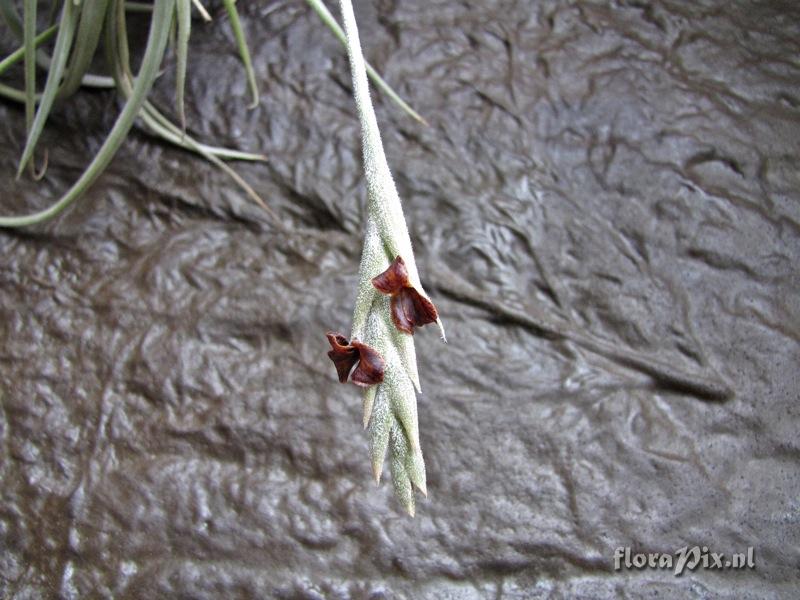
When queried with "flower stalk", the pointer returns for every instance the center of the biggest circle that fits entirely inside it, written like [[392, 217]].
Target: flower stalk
[[387, 298]]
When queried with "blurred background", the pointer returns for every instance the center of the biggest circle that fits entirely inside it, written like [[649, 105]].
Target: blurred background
[[605, 209]]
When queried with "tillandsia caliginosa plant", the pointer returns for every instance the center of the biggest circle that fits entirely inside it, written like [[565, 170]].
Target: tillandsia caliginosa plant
[[84, 26], [390, 303]]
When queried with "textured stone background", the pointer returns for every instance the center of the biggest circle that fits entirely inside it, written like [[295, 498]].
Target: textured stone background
[[605, 208]]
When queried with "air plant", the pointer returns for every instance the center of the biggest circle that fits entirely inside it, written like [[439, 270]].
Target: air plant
[[79, 29], [390, 303]]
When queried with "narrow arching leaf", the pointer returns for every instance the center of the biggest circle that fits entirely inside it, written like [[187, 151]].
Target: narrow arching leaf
[[15, 94], [66, 31], [117, 36], [184, 19], [244, 53], [138, 7], [159, 124], [186, 141], [97, 81], [329, 20], [29, 46], [93, 15], [202, 10], [19, 53], [153, 55], [42, 58], [169, 132]]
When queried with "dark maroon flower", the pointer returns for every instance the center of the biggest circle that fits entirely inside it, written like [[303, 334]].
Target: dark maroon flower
[[346, 354], [409, 308]]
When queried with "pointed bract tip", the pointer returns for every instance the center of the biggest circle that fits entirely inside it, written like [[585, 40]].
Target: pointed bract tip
[[441, 329]]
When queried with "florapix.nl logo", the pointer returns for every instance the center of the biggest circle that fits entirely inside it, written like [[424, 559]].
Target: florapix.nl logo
[[686, 558]]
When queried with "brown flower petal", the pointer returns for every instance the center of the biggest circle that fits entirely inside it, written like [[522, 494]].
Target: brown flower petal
[[343, 355], [346, 354], [393, 279], [370, 366], [409, 308]]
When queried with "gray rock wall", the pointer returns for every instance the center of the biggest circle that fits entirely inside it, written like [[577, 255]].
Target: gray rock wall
[[605, 209]]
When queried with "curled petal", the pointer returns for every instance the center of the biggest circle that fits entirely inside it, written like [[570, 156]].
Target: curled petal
[[346, 354], [409, 308], [370, 366], [343, 355], [393, 279]]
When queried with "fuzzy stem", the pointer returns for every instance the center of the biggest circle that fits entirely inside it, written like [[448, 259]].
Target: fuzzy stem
[[384, 202]]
